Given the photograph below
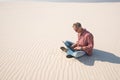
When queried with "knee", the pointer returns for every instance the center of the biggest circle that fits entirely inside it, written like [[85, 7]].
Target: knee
[[67, 43], [78, 54]]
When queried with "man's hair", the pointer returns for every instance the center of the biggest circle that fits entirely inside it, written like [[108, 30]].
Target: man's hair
[[77, 24]]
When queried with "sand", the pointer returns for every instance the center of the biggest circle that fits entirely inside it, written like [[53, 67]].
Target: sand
[[32, 32]]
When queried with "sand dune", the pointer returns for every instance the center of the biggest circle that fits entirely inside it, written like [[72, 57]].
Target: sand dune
[[31, 34]]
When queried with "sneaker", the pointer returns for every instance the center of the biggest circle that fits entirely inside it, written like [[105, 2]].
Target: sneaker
[[63, 49], [69, 56]]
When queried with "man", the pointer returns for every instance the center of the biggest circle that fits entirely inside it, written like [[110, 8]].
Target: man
[[84, 44]]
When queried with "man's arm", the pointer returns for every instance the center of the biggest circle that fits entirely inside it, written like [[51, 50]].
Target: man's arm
[[74, 45], [90, 45], [78, 48]]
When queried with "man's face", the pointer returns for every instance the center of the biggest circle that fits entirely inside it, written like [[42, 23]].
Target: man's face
[[77, 29]]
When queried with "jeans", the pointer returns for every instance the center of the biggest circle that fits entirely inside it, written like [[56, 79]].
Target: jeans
[[73, 52]]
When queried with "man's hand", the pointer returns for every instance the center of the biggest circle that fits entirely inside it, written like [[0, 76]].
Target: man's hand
[[77, 48], [84, 48], [74, 45]]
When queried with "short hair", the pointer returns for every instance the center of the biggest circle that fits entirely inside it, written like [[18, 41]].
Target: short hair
[[77, 24]]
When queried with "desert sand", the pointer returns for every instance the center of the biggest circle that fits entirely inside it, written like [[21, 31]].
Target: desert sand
[[32, 32]]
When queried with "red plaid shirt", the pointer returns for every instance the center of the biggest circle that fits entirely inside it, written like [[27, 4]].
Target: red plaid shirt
[[85, 39]]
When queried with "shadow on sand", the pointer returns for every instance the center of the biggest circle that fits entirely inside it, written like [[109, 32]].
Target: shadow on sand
[[99, 55]]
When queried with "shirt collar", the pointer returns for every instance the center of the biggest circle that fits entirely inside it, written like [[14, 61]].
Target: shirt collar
[[84, 30]]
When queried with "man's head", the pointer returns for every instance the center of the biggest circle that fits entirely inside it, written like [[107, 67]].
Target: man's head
[[77, 27]]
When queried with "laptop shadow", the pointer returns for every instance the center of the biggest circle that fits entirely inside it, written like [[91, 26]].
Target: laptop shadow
[[99, 55]]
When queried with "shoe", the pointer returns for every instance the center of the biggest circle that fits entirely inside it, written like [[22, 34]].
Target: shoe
[[69, 56], [63, 49]]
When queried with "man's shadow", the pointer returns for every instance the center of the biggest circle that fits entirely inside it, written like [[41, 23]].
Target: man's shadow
[[99, 55]]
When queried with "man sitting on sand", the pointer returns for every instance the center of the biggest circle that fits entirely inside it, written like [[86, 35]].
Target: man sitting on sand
[[83, 46]]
